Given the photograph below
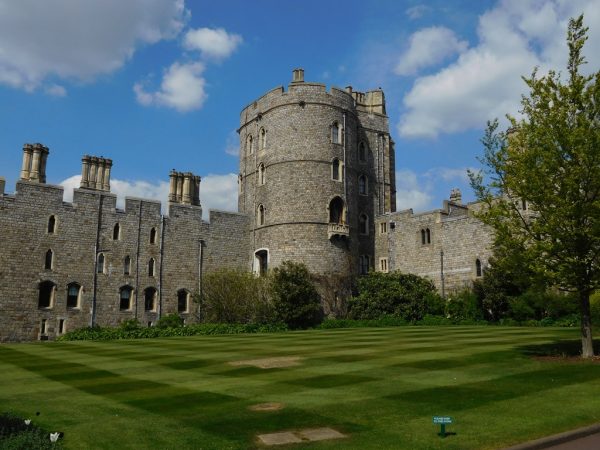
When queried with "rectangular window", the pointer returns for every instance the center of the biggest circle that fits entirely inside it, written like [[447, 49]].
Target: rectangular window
[[383, 265], [43, 327], [363, 264], [61, 326], [383, 227]]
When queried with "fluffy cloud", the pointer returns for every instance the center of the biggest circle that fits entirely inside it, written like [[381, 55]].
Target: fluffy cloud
[[216, 191], [428, 47], [78, 40], [485, 81], [182, 88], [232, 145], [212, 43], [410, 193]]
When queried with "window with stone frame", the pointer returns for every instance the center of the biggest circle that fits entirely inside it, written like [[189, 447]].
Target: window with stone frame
[[249, 145], [261, 174], [153, 235], [262, 140], [260, 215], [151, 267], [363, 224], [51, 225], [73, 295], [363, 264], [383, 265], [116, 232], [363, 185], [126, 265], [125, 298], [383, 228], [337, 211], [150, 299], [49, 260], [100, 263], [336, 133], [46, 291], [337, 170], [182, 300]]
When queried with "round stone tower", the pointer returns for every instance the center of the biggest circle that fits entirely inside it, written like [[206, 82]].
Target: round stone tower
[[316, 167]]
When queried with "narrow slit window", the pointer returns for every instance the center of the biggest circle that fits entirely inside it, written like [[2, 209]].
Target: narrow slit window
[[335, 133], [363, 224], [126, 265], [49, 260], [100, 263], [261, 174], [51, 225], [428, 233], [116, 232], [182, 301], [260, 215], [153, 236], [150, 299], [362, 185], [151, 267], [478, 270]]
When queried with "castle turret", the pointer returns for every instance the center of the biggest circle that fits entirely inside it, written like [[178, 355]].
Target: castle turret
[[316, 166]]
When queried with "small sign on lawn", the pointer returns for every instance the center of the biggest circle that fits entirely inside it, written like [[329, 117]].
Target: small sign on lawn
[[442, 421]]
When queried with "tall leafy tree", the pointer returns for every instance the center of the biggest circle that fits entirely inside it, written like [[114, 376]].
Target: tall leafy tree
[[550, 159]]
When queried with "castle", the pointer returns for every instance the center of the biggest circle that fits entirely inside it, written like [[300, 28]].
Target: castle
[[316, 185]]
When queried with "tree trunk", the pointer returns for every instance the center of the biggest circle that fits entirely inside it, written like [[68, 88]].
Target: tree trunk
[[587, 347]]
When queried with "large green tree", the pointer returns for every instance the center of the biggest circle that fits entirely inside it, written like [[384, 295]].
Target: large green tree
[[550, 159]]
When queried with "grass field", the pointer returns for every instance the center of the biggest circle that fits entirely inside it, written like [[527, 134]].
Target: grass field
[[379, 386]]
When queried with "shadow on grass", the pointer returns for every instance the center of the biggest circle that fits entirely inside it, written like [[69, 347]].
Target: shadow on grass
[[564, 348]]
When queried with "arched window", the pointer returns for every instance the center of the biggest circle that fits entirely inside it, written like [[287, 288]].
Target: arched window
[[73, 293], [116, 232], [260, 215], [126, 265], [362, 152], [49, 260], [363, 224], [261, 174], [337, 211], [337, 170], [336, 133], [249, 145], [240, 183], [100, 263], [46, 294], [51, 225], [262, 139], [478, 270], [428, 233], [261, 262], [423, 237], [182, 300], [151, 267], [153, 235], [125, 298], [363, 188], [150, 299]]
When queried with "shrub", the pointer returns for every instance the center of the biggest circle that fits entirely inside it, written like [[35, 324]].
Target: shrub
[[235, 296], [405, 296], [463, 305], [16, 435], [130, 324], [296, 301], [170, 321]]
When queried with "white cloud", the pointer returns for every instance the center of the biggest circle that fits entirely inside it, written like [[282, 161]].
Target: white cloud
[[182, 88], [485, 82], [216, 191], [55, 90], [428, 47], [78, 40], [417, 11], [232, 145], [212, 43], [410, 193]]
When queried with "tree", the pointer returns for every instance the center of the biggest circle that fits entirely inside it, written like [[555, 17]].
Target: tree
[[550, 158], [297, 302]]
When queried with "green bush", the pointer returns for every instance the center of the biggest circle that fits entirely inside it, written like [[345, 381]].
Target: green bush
[[235, 296], [463, 305], [170, 321], [16, 435], [107, 334], [296, 301], [130, 324], [405, 296]]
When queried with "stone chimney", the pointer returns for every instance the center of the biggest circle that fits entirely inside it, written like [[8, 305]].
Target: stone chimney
[[184, 188], [95, 173], [35, 157], [456, 196], [298, 76]]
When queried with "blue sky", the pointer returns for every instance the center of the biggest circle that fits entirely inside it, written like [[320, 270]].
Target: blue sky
[[159, 84]]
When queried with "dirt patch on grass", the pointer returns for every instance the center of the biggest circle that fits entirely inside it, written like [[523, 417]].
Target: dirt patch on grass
[[272, 406], [269, 363], [294, 437]]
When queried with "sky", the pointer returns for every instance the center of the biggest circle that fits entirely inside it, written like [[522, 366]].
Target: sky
[[157, 85]]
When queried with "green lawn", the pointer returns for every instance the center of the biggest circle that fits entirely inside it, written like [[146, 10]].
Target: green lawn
[[381, 386]]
